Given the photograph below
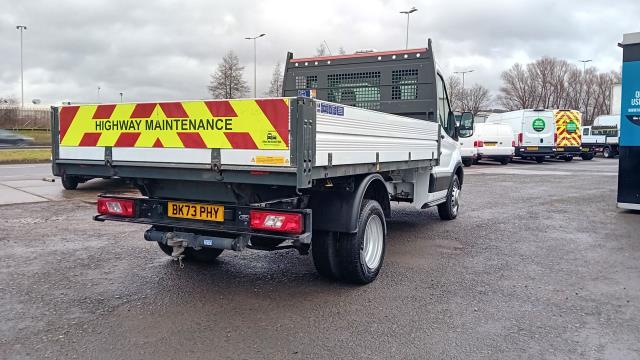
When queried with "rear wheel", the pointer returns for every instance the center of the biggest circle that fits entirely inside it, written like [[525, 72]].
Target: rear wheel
[[70, 182], [448, 210], [539, 159], [360, 255], [467, 162], [505, 161], [324, 253], [568, 158], [587, 156]]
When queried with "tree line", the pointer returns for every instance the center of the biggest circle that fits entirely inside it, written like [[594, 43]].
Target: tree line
[[548, 83]]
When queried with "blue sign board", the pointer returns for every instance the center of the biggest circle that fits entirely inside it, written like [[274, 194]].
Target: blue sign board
[[630, 110]]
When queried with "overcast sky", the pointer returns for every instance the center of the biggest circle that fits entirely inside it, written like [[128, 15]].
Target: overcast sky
[[164, 50]]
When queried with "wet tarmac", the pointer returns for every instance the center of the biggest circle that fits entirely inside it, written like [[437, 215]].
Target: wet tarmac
[[539, 264]]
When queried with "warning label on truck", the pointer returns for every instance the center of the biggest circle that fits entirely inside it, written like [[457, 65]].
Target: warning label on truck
[[224, 124]]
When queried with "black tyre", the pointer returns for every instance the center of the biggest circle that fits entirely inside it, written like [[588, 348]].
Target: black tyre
[[324, 253], [587, 156], [608, 153], [476, 161], [70, 182], [191, 254], [360, 255], [568, 158], [467, 162], [539, 159], [505, 161], [448, 210]]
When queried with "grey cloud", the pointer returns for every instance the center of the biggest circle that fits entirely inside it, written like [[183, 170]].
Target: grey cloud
[[167, 49]]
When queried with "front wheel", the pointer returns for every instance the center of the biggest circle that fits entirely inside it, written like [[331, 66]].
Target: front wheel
[[568, 158], [608, 153], [360, 255], [448, 210]]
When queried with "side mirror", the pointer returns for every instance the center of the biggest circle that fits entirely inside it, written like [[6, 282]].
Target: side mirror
[[465, 128]]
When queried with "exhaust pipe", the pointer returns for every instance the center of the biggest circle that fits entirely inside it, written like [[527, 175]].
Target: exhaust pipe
[[196, 241]]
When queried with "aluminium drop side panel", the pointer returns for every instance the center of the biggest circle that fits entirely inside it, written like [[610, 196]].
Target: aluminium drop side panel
[[347, 135]]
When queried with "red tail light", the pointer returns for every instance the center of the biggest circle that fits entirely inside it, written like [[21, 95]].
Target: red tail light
[[478, 143], [520, 139], [118, 207], [276, 221], [555, 138], [513, 143]]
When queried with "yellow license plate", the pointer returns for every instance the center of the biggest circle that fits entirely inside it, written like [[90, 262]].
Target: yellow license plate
[[559, 149], [489, 144], [585, 149], [532, 148], [195, 211]]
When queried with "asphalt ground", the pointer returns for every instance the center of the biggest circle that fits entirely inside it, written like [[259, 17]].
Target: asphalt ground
[[539, 264]]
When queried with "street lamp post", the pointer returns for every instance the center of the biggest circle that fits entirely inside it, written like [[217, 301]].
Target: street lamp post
[[463, 72], [21, 28], [408, 12], [98, 93], [584, 64], [254, 38], [121, 96]]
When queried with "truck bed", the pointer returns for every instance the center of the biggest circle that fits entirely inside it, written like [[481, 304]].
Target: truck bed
[[279, 141]]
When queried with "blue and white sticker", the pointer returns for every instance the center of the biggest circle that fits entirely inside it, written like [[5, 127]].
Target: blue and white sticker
[[630, 121], [330, 109]]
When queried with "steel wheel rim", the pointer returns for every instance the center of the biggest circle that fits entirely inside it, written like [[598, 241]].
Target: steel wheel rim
[[455, 197], [371, 252]]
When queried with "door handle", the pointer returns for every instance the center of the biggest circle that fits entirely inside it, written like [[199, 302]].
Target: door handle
[[442, 137]]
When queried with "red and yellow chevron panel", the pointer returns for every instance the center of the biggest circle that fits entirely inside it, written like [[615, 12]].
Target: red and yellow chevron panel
[[568, 131], [223, 124]]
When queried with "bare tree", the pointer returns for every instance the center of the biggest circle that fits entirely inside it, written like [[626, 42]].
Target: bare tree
[[341, 51], [476, 99], [455, 92], [275, 88], [321, 50], [518, 91], [227, 81], [553, 83], [8, 100]]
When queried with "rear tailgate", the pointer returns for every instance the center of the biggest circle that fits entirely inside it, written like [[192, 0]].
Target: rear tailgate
[[252, 132], [538, 128]]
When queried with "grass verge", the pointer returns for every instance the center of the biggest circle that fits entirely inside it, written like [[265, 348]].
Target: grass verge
[[25, 156]]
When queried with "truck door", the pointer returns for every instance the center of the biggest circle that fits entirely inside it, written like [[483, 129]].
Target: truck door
[[449, 148], [538, 128]]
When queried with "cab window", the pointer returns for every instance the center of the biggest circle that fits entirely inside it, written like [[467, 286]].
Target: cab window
[[585, 132], [445, 116]]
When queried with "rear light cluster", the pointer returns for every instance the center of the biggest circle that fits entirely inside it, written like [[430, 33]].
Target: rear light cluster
[[478, 143], [555, 138], [118, 207], [513, 143], [520, 139], [276, 221]]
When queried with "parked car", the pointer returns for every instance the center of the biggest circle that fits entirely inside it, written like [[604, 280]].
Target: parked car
[[10, 138], [495, 142]]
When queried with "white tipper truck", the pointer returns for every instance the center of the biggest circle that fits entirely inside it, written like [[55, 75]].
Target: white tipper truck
[[315, 170]]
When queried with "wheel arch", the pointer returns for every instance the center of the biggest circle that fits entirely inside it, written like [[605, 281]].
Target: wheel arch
[[339, 210]]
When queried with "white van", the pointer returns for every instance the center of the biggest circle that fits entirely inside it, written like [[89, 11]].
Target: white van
[[468, 151], [495, 142], [533, 131]]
